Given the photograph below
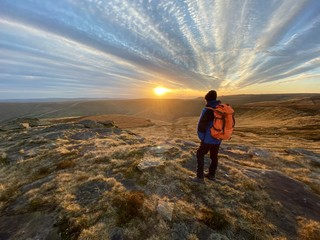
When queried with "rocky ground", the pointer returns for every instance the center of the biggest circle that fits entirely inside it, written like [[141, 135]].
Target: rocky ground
[[91, 178]]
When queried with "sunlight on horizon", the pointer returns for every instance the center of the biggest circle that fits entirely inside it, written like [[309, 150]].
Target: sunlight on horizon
[[160, 91]]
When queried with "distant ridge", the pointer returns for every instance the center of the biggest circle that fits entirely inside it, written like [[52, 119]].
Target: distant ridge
[[34, 100], [161, 109], [245, 97]]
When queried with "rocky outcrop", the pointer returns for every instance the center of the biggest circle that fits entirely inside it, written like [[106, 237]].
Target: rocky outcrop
[[312, 157], [96, 124], [22, 123]]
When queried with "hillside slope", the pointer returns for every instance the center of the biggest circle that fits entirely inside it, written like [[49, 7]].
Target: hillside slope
[[84, 179]]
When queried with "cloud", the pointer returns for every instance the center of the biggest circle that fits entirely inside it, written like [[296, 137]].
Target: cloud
[[121, 47]]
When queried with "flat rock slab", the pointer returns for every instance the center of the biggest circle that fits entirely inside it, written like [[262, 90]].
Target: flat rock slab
[[314, 158], [90, 192], [158, 151], [165, 209], [291, 193], [82, 135], [150, 163], [34, 225], [258, 152], [294, 197]]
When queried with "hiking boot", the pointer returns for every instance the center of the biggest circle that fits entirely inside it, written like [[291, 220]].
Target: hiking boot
[[210, 177], [196, 179]]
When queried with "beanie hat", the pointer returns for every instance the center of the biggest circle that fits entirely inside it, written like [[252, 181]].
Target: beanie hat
[[211, 95]]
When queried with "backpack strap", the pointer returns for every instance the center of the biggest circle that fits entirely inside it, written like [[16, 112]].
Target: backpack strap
[[223, 114], [210, 108]]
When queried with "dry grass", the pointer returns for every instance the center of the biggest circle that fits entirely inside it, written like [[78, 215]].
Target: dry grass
[[214, 219], [309, 229], [64, 164]]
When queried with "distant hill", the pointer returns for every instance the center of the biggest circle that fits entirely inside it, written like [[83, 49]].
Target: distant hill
[[161, 109], [150, 108]]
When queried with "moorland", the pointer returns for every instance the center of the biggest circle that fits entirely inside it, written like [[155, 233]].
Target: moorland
[[118, 169]]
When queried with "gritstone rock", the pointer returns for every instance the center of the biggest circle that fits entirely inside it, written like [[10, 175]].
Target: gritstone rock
[[25, 125], [153, 162], [165, 209], [315, 161], [20, 123], [217, 236], [90, 124], [260, 153], [93, 124], [107, 123]]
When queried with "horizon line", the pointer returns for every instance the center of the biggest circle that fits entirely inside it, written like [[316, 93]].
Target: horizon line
[[28, 100]]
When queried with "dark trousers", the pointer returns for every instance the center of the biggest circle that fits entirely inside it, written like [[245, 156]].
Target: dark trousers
[[203, 150]]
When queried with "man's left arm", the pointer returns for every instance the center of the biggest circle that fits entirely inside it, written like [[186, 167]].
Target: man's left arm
[[202, 124]]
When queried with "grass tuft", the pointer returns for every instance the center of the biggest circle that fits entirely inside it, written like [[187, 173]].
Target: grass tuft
[[41, 203], [4, 159], [69, 228], [64, 164], [130, 206], [214, 219], [41, 172], [309, 229]]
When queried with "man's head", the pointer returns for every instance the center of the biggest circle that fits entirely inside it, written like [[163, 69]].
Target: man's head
[[211, 95]]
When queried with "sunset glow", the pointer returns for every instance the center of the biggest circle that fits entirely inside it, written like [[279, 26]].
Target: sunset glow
[[159, 91]]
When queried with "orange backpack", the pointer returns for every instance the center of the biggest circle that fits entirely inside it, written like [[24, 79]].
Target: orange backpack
[[223, 123]]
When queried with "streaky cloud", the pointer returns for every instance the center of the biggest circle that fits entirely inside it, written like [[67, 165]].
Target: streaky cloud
[[122, 47]]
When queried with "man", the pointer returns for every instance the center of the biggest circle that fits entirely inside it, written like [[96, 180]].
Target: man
[[208, 143]]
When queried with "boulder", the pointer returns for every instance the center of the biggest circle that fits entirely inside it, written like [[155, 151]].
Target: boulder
[[24, 125]]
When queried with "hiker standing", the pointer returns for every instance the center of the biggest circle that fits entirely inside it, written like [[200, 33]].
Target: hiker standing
[[208, 143]]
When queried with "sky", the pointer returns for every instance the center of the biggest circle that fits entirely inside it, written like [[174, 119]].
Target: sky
[[126, 48]]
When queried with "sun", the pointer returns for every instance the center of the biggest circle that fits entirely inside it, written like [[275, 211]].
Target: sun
[[160, 91]]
